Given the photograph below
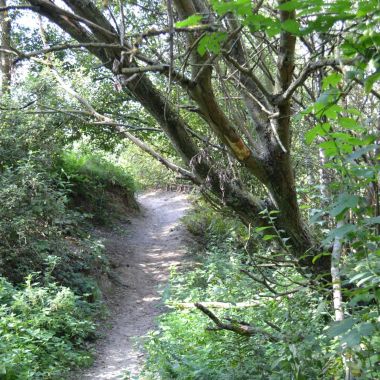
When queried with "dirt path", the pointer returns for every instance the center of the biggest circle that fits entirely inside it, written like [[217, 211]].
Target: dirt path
[[141, 253]]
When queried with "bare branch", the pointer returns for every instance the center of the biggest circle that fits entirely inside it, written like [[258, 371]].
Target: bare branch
[[66, 46], [106, 120], [165, 69], [62, 12], [158, 32], [18, 8], [265, 283], [302, 77], [236, 327], [248, 72], [216, 305]]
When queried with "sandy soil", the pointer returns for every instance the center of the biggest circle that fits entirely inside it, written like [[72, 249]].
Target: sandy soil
[[142, 253]]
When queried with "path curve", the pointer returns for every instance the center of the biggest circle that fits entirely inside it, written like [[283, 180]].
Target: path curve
[[142, 253]]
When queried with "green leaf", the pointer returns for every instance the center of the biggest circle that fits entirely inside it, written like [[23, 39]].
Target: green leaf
[[291, 26], [211, 43], [368, 173], [338, 328], [366, 7], [351, 338], [339, 233], [242, 7], [190, 21], [366, 328], [329, 148], [360, 152], [347, 138], [291, 5], [332, 111], [370, 81], [349, 123], [331, 80], [345, 202], [318, 130], [370, 221], [269, 237], [316, 217], [366, 279], [259, 229], [317, 257]]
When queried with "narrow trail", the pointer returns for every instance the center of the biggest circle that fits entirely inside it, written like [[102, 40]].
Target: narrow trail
[[142, 253]]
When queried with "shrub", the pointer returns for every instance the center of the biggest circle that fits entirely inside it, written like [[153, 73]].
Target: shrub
[[148, 172], [42, 331], [304, 344], [183, 349], [97, 186], [36, 224], [43, 325]]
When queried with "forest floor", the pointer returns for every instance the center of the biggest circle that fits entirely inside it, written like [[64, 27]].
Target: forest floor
[[141, 252]]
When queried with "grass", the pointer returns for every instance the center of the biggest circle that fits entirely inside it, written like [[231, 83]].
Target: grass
[[99, 187]]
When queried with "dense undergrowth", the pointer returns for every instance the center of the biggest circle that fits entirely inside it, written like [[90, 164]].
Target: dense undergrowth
[[295, 337], [49, 258], [43, 329], [97, 186]]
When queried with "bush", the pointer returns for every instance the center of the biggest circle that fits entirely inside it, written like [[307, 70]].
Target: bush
[[148, 172], [184, 349], [43, 324], [42, 331], [36, 225], [303, 344], [97, 186]]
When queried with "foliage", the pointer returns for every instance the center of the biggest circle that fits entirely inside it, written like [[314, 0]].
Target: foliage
[[42, 331], [147, 172], [306, 347], [349, 146], [36, 223], [94, 181], [204, 222], [232, 79], [183, 348], [44, 324]]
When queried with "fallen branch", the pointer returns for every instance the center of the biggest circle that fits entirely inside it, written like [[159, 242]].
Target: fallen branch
[[215, 305], [240, 328]]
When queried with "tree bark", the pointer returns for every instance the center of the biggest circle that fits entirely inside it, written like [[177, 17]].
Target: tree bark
[[5, 59]]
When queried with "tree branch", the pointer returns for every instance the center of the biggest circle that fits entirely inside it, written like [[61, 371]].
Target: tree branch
[[66, 14], [216, 305], [265, 283], [106, 120], [18, 8], [248, 72], [302, 77], [285, 69], [236, 327], [66, 46]]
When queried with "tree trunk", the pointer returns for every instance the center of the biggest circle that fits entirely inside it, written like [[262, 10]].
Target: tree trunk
[[5, 59]]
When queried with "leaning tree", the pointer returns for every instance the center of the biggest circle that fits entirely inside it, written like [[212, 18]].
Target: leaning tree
[[243, 67]]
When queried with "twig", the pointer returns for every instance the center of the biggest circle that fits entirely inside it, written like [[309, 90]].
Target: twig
[[272, 290]]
